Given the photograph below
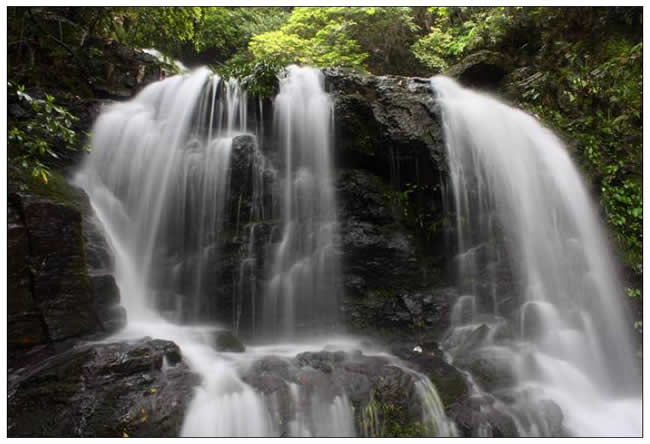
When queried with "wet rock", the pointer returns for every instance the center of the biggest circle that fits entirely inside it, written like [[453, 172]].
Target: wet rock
[[241, 173], [61, 288], [99, 255], [382, 272], [100, 261], [105, 290], [25, 325], [103, 390], [478, 417], [322, 361], [378, 118], [448, 380], [112, 318], [373, 385], [251, 181], [490, 370], [25, 329], [225, 341], [106, 298], [55, 296]]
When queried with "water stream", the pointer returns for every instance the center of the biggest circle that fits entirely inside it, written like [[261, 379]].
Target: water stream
[[540, 296], [305, 278]]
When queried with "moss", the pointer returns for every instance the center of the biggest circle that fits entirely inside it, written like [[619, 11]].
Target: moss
[[56, 189], [382, 418], [396, 427], [396, 422]]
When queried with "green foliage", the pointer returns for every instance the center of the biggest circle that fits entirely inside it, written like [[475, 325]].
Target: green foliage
[[312, 36], [226, 31], [259, 78], [178, 32], [164, 28], [33, 139], [349, 37], [381, 418], [598, 105], [457, 31], [444, 40]]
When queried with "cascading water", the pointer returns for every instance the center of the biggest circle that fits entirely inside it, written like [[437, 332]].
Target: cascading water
[[555, 322], [159, 180], [159, 177], [304, 281]]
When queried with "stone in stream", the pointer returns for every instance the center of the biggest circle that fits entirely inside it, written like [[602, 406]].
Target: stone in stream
[[102, 390]]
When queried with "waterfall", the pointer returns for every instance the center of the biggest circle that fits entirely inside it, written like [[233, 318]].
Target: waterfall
[[304, 281], [540, 299], [158, 179], [159, 175], [167, 178]]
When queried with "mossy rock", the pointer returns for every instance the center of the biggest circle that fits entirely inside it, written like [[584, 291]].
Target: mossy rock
[[56, 189], [384, 418]]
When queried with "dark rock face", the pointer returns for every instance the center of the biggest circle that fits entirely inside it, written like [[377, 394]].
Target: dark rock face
[[61, 289], [384, 120], [386, 283], [56, 296], [102, 390], [375, 245], [25, 324], [389, 142]]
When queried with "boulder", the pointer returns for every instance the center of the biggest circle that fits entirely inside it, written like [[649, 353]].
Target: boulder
[[103, 390]]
